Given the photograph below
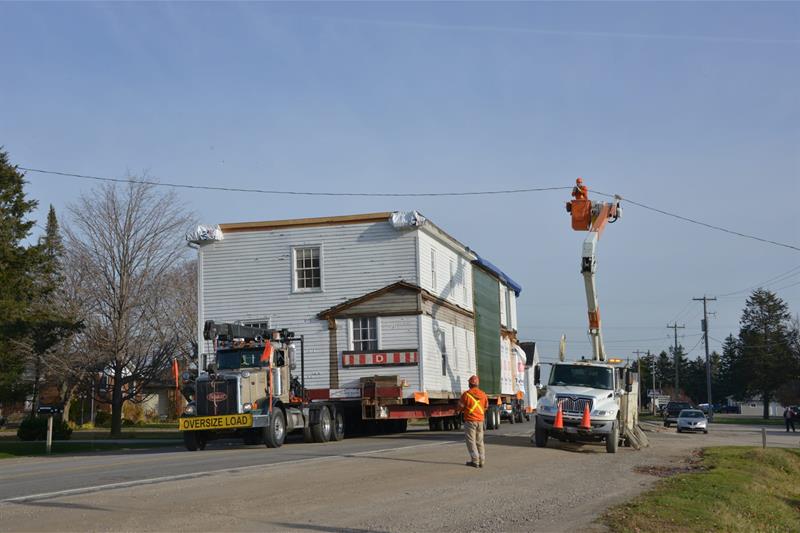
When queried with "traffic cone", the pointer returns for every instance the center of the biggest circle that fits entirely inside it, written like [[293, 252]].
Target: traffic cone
[[559, 423], [586, 421]]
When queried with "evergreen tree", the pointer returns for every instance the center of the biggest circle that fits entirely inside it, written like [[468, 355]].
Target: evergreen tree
[[18, 264], [665, 371], [766, 336]]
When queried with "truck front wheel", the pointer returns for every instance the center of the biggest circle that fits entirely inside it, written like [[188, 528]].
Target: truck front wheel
[[190, 440], [275, 430], [540, 436], [612, 440]]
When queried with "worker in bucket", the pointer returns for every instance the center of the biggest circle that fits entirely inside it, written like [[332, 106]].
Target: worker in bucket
[[473, 405]]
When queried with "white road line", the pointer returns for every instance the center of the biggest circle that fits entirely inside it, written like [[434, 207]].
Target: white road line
[[178, 477]]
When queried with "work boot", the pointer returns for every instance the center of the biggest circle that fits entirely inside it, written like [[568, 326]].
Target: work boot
[[472, 463]]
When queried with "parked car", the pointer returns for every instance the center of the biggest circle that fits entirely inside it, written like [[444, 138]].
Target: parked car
[[672, 411], [731, 409], [692, 420]]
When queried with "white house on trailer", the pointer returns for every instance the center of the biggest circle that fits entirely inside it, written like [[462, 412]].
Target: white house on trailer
[[372, 294]]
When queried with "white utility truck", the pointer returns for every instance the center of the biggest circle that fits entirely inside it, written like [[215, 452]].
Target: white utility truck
[[591, 400]]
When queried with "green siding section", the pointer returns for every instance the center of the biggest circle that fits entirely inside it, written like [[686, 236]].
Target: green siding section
[[487, 329]]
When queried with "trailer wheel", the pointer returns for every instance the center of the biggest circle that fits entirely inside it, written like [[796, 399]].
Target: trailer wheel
[[458, 422], [612, 440], [275, 430], [448, 423], [436, 423], [338, 426], [190, 441], [322, 430], [401, 426]]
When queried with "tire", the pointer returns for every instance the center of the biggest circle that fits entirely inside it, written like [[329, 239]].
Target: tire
[[448, 423], [679, 430], [321, 432], [497, 420], [400, 426], [612, 440], [540, 436], [337, 432], [201, 441], [705, 432], [191, 441], [275, 431], [458, 422], [436, 423]]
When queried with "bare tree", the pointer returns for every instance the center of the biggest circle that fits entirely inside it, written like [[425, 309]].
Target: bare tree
[[128, 239]]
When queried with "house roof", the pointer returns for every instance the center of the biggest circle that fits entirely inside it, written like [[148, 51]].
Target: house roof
[[304, 222]]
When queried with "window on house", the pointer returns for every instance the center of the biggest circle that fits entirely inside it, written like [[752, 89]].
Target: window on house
[[463, 282], [433, 270], [307, 269], [441, 341], [452, 283], [365, 334]]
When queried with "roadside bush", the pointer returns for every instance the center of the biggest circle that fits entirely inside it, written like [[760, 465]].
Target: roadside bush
[[128, 423], [36, 429], [102, 419]]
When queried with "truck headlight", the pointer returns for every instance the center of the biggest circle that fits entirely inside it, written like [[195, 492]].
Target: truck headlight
[[189, 409], [600, 412], [544, 408], [247, 407]]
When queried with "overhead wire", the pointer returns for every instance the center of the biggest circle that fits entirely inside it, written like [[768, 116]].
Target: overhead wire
[[399, 195], [774, 279]]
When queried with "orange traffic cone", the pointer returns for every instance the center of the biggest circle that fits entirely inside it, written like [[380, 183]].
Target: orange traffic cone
[[559, 423], [586, 421]]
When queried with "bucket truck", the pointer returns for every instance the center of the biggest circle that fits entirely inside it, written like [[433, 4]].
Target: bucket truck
[[591, 400]]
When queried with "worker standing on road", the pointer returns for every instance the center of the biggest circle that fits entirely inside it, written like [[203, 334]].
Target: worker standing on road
[[788, 419], [473, 405]]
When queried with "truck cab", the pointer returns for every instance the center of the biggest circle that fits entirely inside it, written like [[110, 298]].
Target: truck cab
[[574, 389]]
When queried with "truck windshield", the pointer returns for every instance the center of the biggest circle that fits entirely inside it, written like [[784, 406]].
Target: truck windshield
[[582, 376], [230, 359]]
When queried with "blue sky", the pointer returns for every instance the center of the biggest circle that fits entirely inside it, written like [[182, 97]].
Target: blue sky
[[692, 108]]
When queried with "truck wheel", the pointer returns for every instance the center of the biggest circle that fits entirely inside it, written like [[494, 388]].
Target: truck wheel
[[497, 419], [448, 424], [190, 440], [512, 417], [540, 436], [338, 426], [202, 440], [322, 431], [400, 425], [612, 440], [275, 431], [458, 422]]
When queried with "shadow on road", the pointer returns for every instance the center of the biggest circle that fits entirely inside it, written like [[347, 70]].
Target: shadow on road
[[313, 527], [60, 505]]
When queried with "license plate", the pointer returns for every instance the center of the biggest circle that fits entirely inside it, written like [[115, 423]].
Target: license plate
[[197, 423]]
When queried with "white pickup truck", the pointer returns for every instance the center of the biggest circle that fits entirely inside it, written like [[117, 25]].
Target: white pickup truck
[[573, 386]]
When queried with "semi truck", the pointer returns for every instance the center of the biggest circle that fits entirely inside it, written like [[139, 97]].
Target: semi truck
[[590, 400], [255, 390]]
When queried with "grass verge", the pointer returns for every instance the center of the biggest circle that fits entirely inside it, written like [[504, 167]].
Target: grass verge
[[27, 449], [739, 489], [718, 419]]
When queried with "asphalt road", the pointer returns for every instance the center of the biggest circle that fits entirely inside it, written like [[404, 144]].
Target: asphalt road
[[411, 482]]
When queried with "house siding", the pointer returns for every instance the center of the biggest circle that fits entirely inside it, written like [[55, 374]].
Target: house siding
[[450, 288], [249, 276]]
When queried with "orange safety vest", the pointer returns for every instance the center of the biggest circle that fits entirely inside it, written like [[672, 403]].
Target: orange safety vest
[[474, 404]]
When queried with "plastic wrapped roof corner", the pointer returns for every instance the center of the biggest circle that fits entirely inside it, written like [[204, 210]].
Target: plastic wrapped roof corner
[[203, 234], [407, 219], [505, 278]]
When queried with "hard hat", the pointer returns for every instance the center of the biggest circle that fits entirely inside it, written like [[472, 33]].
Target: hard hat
[[473, 381]]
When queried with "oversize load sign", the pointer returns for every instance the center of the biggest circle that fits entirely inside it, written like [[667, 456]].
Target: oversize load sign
[[195, 423]]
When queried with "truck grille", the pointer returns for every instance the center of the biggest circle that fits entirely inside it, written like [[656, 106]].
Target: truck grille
[[573, 404], [223, 400]]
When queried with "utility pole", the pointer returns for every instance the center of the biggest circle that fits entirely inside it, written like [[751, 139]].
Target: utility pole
[[704, 324], [653, 361], [639, 370], [675, 327]]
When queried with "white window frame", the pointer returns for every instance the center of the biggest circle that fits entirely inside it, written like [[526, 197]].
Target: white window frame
[[293, 268], [463, 282], [351, 333], [452, 284]]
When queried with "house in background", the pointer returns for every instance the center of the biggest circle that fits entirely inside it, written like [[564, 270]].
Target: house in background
[[380, 293]]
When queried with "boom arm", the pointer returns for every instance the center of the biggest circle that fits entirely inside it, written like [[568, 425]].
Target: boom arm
[[592, 216]]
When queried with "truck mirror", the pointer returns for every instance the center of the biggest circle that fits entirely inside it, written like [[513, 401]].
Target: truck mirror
[[537, 375]]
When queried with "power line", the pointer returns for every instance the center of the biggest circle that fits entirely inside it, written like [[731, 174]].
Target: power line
[[774, 279], [295, 193], [700, 223], [401, 195]]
